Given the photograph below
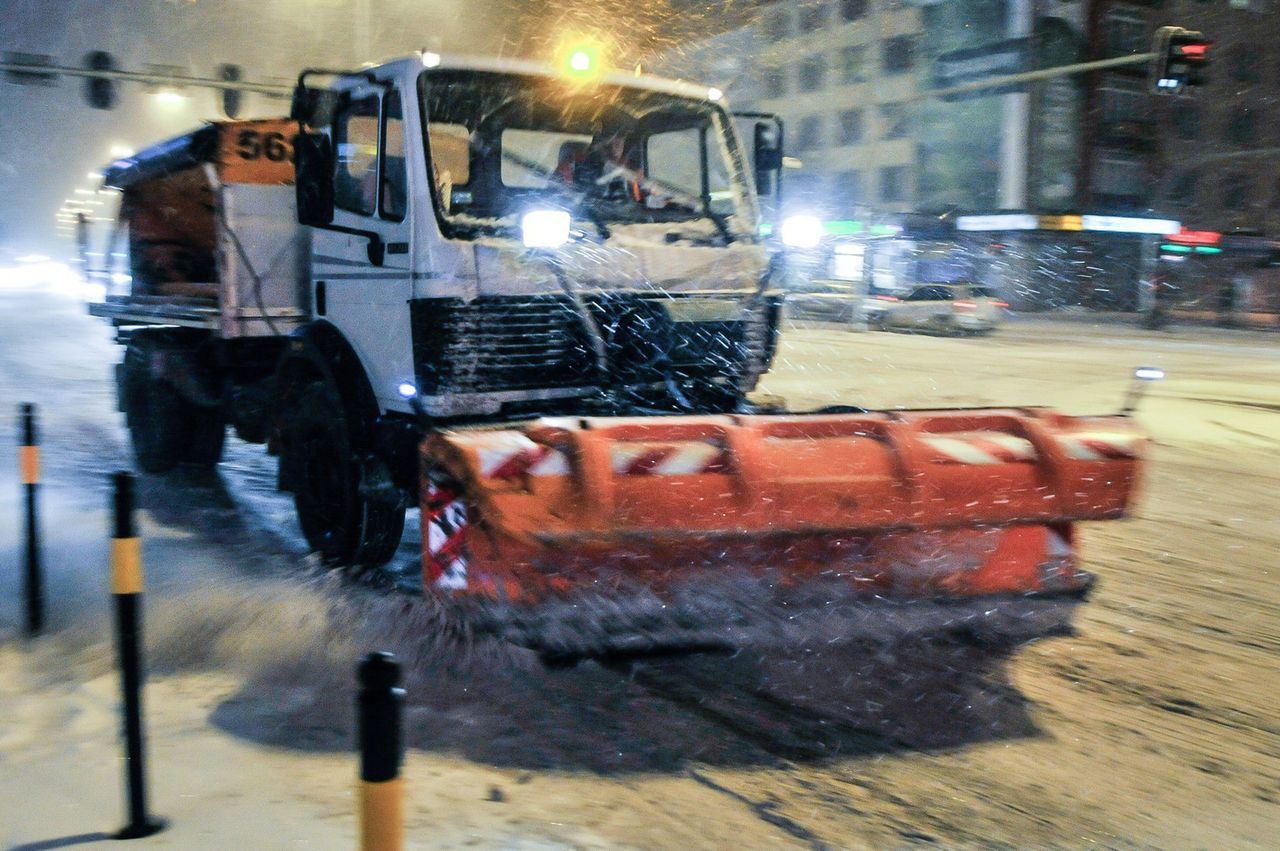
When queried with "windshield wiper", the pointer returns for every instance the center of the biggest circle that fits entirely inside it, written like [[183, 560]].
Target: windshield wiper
[[721, 222]]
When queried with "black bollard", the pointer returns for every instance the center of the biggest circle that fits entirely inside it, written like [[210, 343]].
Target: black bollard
[[379, 708], [29, 468], [126, 588]]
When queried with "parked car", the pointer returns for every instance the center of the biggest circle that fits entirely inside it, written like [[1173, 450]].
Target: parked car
[[940, 308]]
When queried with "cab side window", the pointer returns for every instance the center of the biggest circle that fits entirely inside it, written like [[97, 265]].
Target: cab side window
[[355, 145], [395, 190]]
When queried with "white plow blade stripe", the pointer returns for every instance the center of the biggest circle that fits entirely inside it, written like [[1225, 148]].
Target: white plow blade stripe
[[1020, 447], [552, 464], [960, 450], [497, 448], [688, 458]]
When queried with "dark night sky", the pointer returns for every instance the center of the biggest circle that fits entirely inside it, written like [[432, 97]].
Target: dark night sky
[[50, 140]]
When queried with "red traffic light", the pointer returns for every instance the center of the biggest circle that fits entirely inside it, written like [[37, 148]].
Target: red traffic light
[[1181, 59]]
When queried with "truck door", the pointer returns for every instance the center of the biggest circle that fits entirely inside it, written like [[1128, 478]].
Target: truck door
[[363, 284]]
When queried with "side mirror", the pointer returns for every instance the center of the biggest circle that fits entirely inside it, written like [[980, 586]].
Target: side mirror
[[768, 156], [313, 178]]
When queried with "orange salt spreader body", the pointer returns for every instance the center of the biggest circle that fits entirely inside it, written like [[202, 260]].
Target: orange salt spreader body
[[948, 504]]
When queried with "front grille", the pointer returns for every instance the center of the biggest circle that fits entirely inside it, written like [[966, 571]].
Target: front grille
[[494, 344], [497, 344]]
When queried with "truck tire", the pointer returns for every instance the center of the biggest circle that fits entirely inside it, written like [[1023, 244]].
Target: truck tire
[[341, 521], [166, 430], [206, 436]]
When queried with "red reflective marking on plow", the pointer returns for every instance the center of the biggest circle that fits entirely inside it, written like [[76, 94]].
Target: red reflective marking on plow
[[439, 500], [644, 465], [450, 549], [519, 463], [1106, 449]]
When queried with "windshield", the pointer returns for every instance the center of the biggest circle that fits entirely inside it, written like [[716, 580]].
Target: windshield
[[501, 145]]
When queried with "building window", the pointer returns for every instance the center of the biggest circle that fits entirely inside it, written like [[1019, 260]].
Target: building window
[[809, 133], [893, 183], [777, 26], [813, 74], [895, 123], [813, 17], [1123, 101], [1120, 175], [1186, 120], [1242, 127], [1183, 188], [775, 82], [849, 188], [1243, 64], [853, 65], [1236, 192], [898, 54], [851, 122], [853, 10], [1124, 31]]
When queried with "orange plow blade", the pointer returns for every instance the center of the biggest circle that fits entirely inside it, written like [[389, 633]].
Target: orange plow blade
[[952, 504]]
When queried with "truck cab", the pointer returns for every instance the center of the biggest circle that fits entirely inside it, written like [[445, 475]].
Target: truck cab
[[554, 239]]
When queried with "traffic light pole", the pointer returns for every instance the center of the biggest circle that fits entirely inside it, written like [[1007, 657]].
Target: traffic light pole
[[276, 90], [1030, 77], [270, 89]]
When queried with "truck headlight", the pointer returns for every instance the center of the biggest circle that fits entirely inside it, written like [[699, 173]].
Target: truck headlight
[[544, 228], [801, 231]]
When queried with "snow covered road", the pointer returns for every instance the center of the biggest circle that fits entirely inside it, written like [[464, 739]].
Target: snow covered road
[[1155, 726]]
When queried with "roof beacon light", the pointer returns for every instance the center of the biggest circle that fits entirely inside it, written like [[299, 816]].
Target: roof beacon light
[[582, 60], [544, 228]]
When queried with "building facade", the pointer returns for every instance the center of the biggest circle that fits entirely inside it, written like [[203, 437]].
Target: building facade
[[1209, 158], [847, 76], [832, 70]]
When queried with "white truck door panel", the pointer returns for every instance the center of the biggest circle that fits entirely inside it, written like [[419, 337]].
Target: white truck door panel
[[364, 299]]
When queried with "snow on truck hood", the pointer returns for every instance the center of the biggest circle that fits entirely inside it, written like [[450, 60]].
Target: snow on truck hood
[[633, 257]]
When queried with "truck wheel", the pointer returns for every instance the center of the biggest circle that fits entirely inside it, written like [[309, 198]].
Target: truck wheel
[[340, 521], [152, 412], [166, 430], [206, 435]]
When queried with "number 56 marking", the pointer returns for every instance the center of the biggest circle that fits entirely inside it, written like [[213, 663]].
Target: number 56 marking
[[252, 145]]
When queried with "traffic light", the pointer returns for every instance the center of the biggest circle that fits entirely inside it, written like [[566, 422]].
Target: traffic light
[[1182, 59], [230, 97], [100, 92]]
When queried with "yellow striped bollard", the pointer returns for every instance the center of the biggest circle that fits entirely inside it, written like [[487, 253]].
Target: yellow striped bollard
[[379, 709], [126, 590], [29, 472]]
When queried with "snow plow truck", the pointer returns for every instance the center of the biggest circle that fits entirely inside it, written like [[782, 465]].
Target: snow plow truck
[[533, 305]]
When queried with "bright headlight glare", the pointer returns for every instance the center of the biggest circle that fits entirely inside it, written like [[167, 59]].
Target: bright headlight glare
[[1148, 373], [544, 228], [407, 390], [801, 231]]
